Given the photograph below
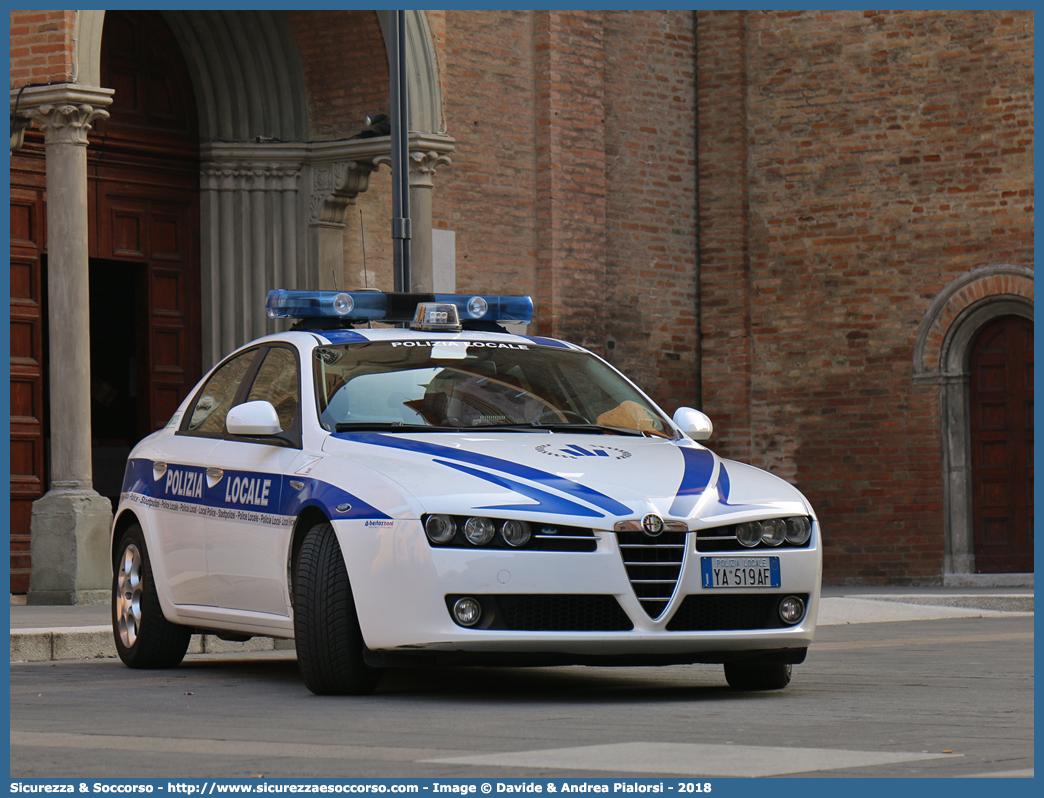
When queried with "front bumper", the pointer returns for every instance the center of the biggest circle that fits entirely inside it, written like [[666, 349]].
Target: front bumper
[[401, 584]]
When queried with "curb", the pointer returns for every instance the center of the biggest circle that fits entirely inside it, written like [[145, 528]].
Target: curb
[[95, 642]]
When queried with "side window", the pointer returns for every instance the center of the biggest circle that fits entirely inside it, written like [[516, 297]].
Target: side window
[[215, 400], [277, 382]]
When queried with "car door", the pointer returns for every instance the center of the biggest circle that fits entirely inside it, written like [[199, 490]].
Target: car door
[[183, 489], [247, 536]]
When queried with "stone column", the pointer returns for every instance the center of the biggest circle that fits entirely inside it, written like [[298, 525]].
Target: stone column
[[71, 522], [427, 153], [422, 173], [248, 234]]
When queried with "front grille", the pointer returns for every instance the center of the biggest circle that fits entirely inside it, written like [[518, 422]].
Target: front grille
[[653, 565], [543, 612], [563, 613], [725, 613]]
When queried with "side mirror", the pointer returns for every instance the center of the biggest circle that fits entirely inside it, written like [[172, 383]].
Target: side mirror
[[693, 423], [253, 418]]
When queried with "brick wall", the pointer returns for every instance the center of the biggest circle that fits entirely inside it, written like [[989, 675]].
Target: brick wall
[[488, 195], [573, 177], [41, 47], [346, 81], [571, 174], [650, 149], [886, 154], [724, 235]]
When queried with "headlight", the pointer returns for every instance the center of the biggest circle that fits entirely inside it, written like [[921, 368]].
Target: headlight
[[749, 533], [479, 531], [799, 530], [440, 528], [515, 533], [773, 531]]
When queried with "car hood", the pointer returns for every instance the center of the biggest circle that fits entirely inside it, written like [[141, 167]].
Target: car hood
[[593, 479]]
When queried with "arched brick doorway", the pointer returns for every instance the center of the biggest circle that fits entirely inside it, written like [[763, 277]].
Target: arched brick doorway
[[1001, 421], [942, 356], [143, 173]]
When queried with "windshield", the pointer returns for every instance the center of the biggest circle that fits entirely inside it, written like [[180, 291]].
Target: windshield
[[476, 384]]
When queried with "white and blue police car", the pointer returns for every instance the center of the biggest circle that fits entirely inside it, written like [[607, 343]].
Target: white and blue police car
[[437, 490]]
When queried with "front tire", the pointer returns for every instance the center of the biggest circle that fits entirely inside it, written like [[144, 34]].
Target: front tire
[[326, 627], [757, 676], [144, 638]]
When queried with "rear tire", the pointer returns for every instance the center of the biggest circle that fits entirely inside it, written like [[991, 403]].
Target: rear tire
[[757, 676], [326, 627], [144, 638]]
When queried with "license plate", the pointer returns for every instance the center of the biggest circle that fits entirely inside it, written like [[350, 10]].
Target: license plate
[[740, 571]]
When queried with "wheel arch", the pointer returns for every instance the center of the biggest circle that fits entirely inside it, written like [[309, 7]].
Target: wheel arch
[[123, 522], [308, 518]]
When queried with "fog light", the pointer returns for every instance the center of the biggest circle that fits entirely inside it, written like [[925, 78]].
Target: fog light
[[773, 531], [515, 533], [479, 531], [791, 610], [440, 528], [467, 611], [799, 530], [749, 534]]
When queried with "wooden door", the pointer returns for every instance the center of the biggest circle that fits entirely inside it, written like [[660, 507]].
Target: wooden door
[[136, 226], [1001, 405], [28, 373], [143, 168]]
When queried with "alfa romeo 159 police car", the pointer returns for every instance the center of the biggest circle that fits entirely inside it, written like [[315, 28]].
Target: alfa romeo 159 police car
[[445, 492]]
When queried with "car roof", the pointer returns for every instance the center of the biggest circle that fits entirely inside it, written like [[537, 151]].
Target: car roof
[[364, 335]]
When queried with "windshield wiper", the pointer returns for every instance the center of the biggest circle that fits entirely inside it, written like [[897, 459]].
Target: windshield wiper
[[594, 429], [564, 426], [556, 426], [388, 426]]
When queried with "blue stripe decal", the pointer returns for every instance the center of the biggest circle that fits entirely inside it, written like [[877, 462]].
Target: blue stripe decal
[[327, 497], [547, 502], [567, 486], [724, 485], [343, 336], [536, 339], [699, 467], [243, 490]]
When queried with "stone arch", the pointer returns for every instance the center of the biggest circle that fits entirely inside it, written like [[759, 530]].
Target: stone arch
[[234, 55], [263, 174], [426, 111], [941, 355], [987, 283]]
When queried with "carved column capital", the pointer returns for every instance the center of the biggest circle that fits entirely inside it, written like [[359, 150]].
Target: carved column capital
[[64, 112], [422, 163], [66, 124]]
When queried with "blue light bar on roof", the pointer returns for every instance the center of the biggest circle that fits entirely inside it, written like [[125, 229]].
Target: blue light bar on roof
[[375, 306]]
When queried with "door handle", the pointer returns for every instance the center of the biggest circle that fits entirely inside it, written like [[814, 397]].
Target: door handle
[[214, 476]]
